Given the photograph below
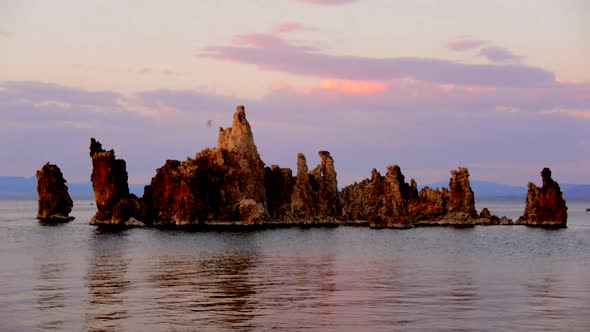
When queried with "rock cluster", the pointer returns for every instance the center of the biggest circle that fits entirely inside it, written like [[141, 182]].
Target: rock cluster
[[55, 203], [388, 201], [116, 206], [230, 185], [545, 206]]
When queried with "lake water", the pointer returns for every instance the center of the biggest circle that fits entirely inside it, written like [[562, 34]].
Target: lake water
[[74, 277]]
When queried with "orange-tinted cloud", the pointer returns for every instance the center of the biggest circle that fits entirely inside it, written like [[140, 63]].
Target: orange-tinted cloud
[[353, 87], [287, 27]]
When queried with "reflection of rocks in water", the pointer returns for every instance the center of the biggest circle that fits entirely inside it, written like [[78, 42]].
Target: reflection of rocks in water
[[50, 294], [299, 286], [106, 281], [211, 292], [546, 304]]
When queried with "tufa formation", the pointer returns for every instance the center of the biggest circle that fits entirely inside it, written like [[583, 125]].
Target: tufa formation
[[545, 206], [389, 202], [116, 206], [230, 185], [55, 203]]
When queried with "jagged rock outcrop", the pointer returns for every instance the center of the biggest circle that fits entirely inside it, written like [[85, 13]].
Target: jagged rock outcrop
[[55, 203], [173, 196], [230, 185], [461, 200], [280, 184], [328, 201], [304, 197], [388, 201], [545, 206], [116, 206], [239, 139], [226, 183], [382, 200]]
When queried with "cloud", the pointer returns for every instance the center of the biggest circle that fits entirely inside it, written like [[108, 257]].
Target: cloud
[[498, 54], [353, 87], [327, 2], [449, 125], [461, 45], [288, 27], [272, 53], [157, 71], [38, 92]]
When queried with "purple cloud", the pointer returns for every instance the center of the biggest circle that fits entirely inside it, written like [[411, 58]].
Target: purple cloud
[[38, 92], [503, 130], [272, 53], [328, 2], [461, 45], [499, 54]]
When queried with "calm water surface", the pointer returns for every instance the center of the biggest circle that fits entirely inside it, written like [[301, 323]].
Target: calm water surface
[[75, 277]]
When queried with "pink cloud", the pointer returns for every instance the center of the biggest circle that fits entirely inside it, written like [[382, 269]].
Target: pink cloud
[[461, 45], [271, 52], [287, 27], [328, 2], [499, 54], [353, 87]]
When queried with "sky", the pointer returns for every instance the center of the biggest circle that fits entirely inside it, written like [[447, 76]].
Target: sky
[[501, 87]]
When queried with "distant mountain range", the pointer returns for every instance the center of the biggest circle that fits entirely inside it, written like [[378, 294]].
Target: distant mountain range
[[14, 187], [493, 190]]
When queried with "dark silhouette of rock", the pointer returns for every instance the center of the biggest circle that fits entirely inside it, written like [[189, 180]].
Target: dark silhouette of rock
[[116, 206], [545, 206], [55, 203], [279, 183]]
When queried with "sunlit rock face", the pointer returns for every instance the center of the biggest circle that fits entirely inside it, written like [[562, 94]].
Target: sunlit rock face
[[116, 206], [229, 184], [545, 206], [55, 203], [226, 183], [389, 202]]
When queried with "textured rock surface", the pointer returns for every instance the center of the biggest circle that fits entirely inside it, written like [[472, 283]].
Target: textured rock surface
[[328, 201], [230, 185], [172, 196], [116, 206], [239, 139], [545, 206], [226, 183], [303, 199], [55, 203], [461, 201], [388, 201], [280, 184]]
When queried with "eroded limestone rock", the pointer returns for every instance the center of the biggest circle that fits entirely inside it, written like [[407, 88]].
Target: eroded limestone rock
[[55, 203], [116, 206], [545, 206]]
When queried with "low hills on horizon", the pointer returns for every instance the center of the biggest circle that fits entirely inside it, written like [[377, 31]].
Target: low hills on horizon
[[15, 187]]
